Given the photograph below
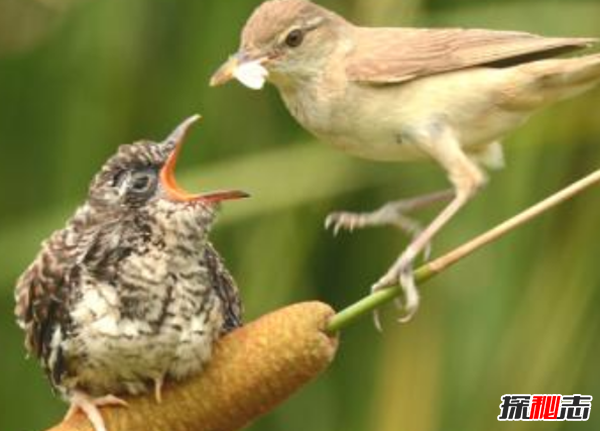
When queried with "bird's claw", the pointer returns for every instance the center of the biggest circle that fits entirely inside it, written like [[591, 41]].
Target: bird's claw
[[400, 273], [410, 305], [388, 215], [89, 406], [343, 220]]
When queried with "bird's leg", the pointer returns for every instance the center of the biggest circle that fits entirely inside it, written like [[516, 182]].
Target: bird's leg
[[158, 384], [89, 406], [390, 214], [467, 178]]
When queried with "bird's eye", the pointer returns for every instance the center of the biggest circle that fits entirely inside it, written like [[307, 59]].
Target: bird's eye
[[142, 182], [294, 38]]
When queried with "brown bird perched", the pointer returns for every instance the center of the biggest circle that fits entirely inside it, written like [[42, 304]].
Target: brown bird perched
[[395, 94], [131, 291]]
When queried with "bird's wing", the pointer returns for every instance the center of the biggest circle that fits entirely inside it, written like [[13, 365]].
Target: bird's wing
[[392, 55], [44, 288], [41, 294], [225, 287]]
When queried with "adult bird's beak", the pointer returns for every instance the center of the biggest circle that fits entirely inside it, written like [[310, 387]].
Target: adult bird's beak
[[167, 173], [249, 69]]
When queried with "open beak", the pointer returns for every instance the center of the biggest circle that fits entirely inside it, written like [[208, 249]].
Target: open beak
[[248, 69], [167, 173]]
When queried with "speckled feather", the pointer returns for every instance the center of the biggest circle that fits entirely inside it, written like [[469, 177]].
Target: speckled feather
[[130, 291]]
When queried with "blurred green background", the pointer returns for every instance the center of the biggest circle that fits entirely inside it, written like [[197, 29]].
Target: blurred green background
[[78, 77]]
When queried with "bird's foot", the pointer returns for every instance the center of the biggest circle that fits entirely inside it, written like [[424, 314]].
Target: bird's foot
[[89, 406], [391, 214], [401, 272]]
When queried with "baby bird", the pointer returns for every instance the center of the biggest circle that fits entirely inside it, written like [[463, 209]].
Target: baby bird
[[131, 292]]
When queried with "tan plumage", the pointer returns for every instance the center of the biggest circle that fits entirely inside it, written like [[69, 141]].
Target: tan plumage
[[394, 55], [396, 94]]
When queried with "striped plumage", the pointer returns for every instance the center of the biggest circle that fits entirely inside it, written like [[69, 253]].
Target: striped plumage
[[131, 291]]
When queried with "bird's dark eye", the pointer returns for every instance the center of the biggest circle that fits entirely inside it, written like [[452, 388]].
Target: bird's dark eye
[[142, 182], [294, 38]]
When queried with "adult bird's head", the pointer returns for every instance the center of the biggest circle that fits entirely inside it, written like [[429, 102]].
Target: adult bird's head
[[140, 179], [283, 41]]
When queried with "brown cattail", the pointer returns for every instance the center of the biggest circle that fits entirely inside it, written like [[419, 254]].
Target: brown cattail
[[253, 369]]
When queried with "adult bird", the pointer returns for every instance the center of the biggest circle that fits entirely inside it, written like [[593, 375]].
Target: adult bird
[[397, 94]]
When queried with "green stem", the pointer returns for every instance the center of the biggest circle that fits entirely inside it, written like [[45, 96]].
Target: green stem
[[370, 303]]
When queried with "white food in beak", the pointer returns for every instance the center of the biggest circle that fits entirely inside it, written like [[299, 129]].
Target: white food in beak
[[251, 74]]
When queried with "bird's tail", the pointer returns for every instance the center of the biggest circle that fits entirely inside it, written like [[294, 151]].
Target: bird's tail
[[547, 81]]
